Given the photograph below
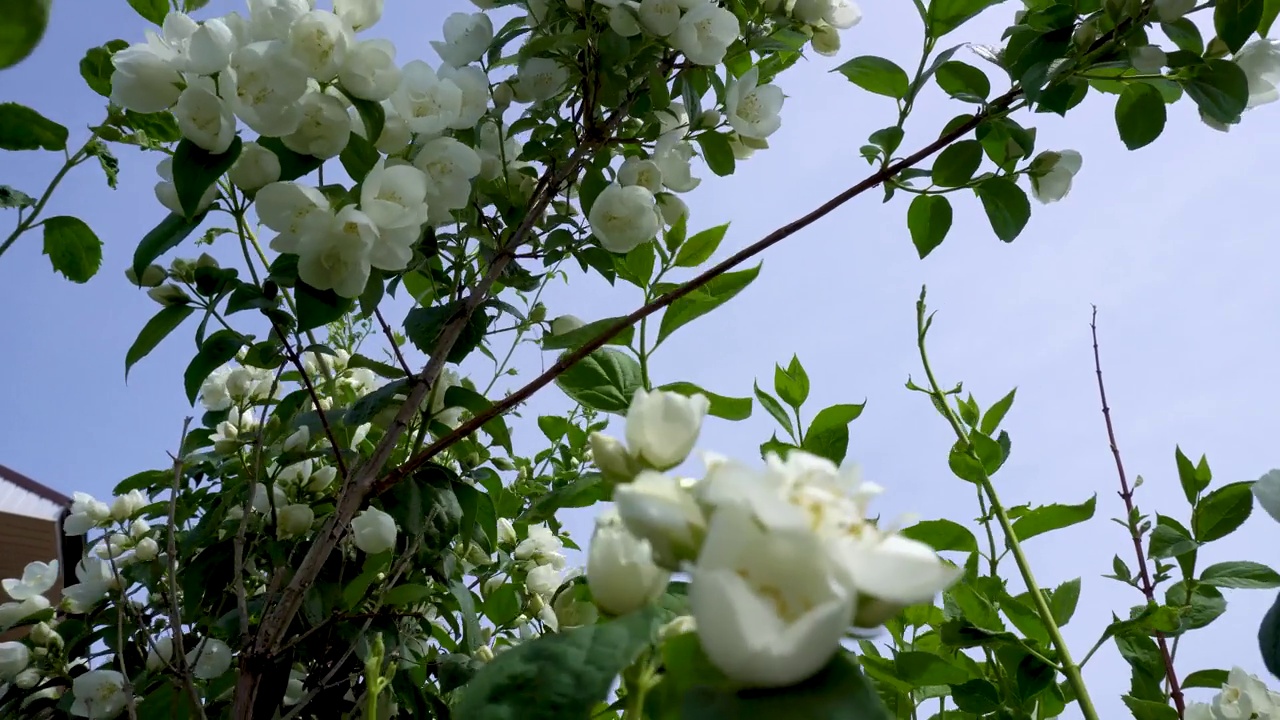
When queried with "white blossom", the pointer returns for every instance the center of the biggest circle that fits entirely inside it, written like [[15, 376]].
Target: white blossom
[[99, 694], [466, 38], [374, 531], [334, 251], [272, 19], [840, 14], [825, 41], [285, 208], [427, 103], [318, 41], [662, 427], [96, 579], [15, 612], [474, 85], [203, 117], [210, 658], [624, 18], [1260, 61], [674, 160], [369, 70], [14, 658], [659, 17], [146, 78], [705, 34], [637, 171], [1053, 184], [146, 550], [449, 167], [657, 508], [86, 513], [620, 568], [753, 108], [624, 217], [540, 547], [265, 84], [672, 208], [394, 198], [127, 505], [323, 129], [37, 579], [359, 14], [543, 581], [540, 78], [254, 168]]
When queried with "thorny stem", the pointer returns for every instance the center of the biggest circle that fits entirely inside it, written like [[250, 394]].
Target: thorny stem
[[1068, 666], [1147, 587]]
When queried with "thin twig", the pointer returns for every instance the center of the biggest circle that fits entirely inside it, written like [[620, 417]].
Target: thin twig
[[315, 398], [171, 549], [1147, 587], [391, 338], [782, 233]]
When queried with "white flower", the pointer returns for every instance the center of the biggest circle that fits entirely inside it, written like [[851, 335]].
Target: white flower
[[265, 84], [14, 658], [825, 41], [660, 17], [12, 613], [96, 580], [449, 167], [271, 19], [285, 207], [322, 478], [160, 653], [672, 208], [394, 198], [1147, 58], [623, 18], [1171, 10], [427, 103], [673, 160], [86, 513], [369, 70], [890, 573], [673, 123], [145, 78], [1054, 184], [318, 41], [1267, 491], [334, 251], [540, 79], [299, 440], [295, 519], [254, 168], [99, 694], [294, 691], [657, 508], [128, 505], [645, 173], [27, 679], [262, 502], [543, 581], [1260, 61], [705, 34], [753, 108], [506, 532], [475, 94], [540, 547], [359, 14], [209, 48], [620, 569], [374, 531], [767, 611], [662, 427], [37, 579], [493, 151], [1241, 697], [323, 128], [146, 550], [840, 14], [624, 217], [210, 658], [466, 38]]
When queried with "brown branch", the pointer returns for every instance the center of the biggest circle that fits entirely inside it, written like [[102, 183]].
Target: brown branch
[[1147, 587], [171, 548], [296, 359], [782, 233], [391, 338]]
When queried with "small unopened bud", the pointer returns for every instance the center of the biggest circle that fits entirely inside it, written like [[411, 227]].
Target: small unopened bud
[[169, 295], [206, 261], [146, 550], [612, 457], [503, 95], [152, 276], [825, 41], [709, 118], [538, 313], [483, 653]]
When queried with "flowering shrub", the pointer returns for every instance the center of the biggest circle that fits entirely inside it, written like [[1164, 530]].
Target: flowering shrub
[[342, 535]]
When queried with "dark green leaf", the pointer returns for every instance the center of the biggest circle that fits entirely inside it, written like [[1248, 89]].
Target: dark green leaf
[[292, 165], [22, 24], [72, 248], [1140, 115], [109, 163], [218, 348], [96, 69], [1186, 35], [586, 491], [976, 696], [729, 408], [11, 198], [406, 595], [358, 157], [1063, 601], [467, 608], [368, 407], [701, 246], [22, 128], [1270, 10], [774, 408], [317, 308], [838, 691], [947, 15], [560, 675], [1205, 605], [1269, 638], [1193, 483], [1047, 518], [156, 329], [963, 82], [922, 669], [1149, 709], [705, 299], [1220, 512], [1007, 207], [605, 380], [464, 397], [195, 170], [1220, 88], [1170, 539], [151, 10], [423, 326], [1213, 679], [717, 152], [372, 116], [877, 75], [888, 139], [942, 535], [163, 238], [1236, 20], [1240, 574], [928, 219], [579, 337]]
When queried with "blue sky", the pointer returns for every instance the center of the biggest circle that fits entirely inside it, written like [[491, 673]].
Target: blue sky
[[1170, 242]]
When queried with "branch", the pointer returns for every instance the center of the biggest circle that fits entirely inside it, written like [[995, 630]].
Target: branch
[[171, 549], [782, 233], [315, 398], [1126, 493], [391, 338]]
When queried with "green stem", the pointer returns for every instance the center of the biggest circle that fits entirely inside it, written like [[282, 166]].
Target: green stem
[[1068, 667], [29, 222], [637, 688]]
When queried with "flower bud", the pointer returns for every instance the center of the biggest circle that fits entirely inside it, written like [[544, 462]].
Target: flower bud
[[620, 569], [565, 324], [152, 276], [374, 531], [206, 261], [44, 634], [623, 20], [825, 41], [27, 679], [322, 478], [680, 626], [503, 95], [294, 520], [709, 118], [298, 441], [672, 208], [128, 505], [662, 426], [139, 528], [14, 658], [256, 168], [483, 653], [506, 532], [612, 458], [160, 655], [146, 550], [659, 509], [169, 295]]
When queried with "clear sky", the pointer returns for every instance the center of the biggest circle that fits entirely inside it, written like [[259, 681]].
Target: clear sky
[[1171, 243]]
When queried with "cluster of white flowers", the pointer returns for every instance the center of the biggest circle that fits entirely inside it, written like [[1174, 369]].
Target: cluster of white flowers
[[783, 560], [27, 593], [1243, 697]]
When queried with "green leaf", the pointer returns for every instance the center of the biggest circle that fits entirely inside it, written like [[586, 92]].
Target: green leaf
[[423, 326], [1047, 518], [718, 153], [163, 237], [947, 15], [22, 24], [605, 380], [1140, 115], [1064, 600], [1169, 539], [1186, 35], [156, 329], [195, 170], [577, 338], [586, 491], [828, 433], [956, 164], [467, 608], [465, 397], [963, 81], [1149, 709], [358, 157], [774, 408], [152, 10], [559, 675], [1205, 605], [96, 69], [1007, 207], [72, 248], [1240, 574], [698, 248], [1269, 638], [317, 308], [791, 383], [1236, 20], [292, 165], [877, 75], [1214, 679], [22, 128], [837, 691], [1220, 512], [922, 669], [218, 348], [703, 300], [1193, 482], [1220, 88], [929, 220], [729, 408], [13, 198], [942, 535], [406, 595], [372, 116], [1270, 10], [977, 696], [161, 126], [109, 163], [995, 414]]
